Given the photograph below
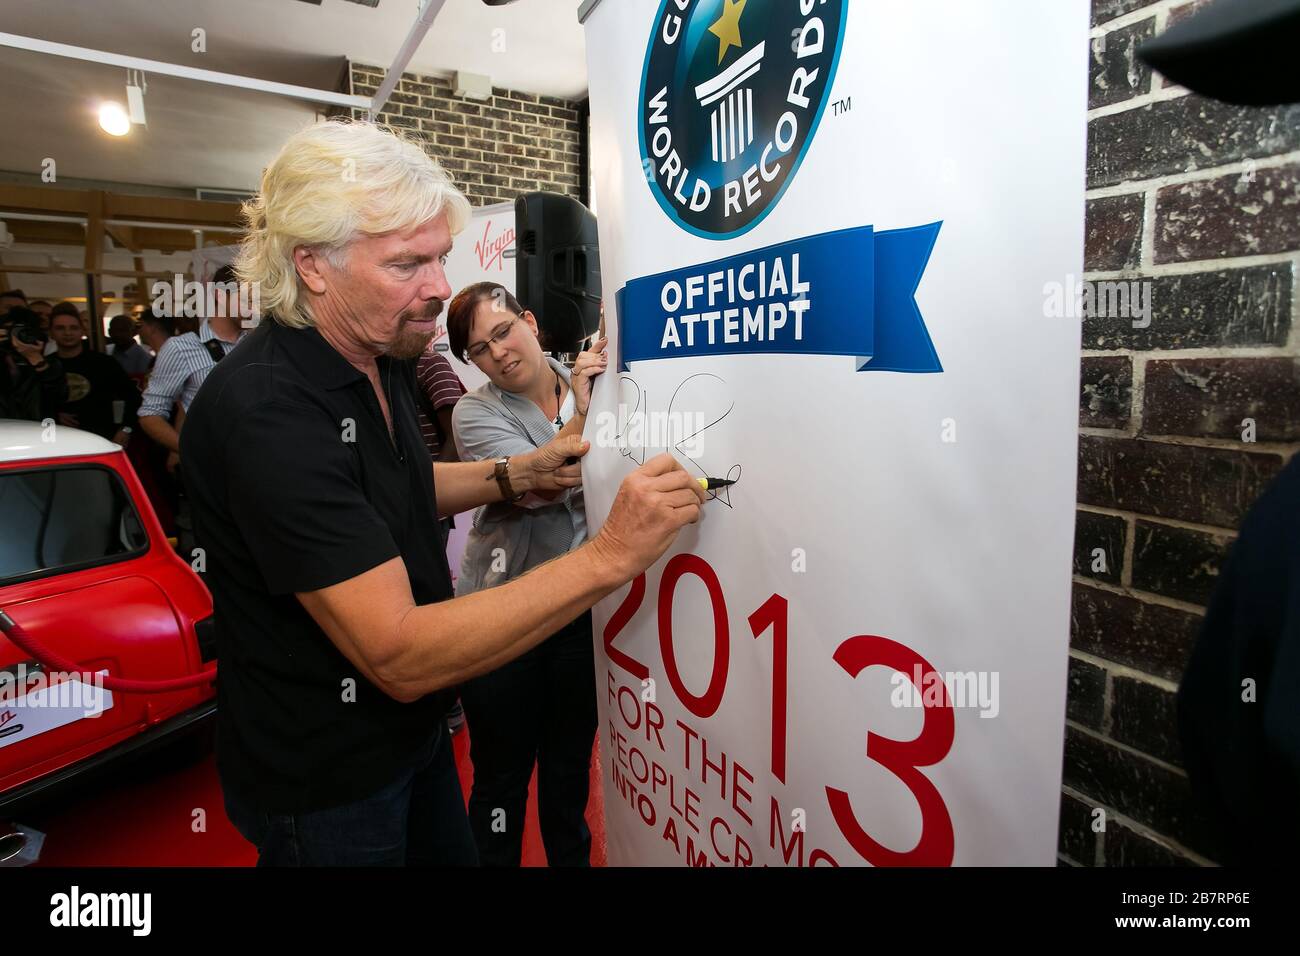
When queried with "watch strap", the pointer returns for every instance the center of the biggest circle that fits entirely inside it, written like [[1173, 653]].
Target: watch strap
[[501, 472]]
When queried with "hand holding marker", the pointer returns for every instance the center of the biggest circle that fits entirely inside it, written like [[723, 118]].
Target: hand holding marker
[[713, 484]]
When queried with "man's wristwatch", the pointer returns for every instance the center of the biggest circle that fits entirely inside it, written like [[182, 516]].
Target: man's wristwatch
[[501, 472]]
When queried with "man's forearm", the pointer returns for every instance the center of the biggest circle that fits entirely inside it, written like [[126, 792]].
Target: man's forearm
[[161, 431], [447, 643], [464, 485]]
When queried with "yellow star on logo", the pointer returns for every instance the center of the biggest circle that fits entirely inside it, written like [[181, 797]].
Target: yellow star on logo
[[727, 29]]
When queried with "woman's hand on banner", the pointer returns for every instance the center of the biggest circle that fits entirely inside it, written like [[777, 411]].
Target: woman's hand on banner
[[589, 364], [653, 503]]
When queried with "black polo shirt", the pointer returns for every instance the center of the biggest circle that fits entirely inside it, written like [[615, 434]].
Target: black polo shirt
[[295, 485]]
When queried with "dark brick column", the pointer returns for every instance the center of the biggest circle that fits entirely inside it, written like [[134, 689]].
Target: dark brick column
[[1183, 422]]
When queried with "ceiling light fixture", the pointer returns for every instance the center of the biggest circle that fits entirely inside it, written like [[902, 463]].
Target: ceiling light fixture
[[136, 85], [113, 119]]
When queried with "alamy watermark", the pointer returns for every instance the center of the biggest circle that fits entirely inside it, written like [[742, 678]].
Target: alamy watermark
[[958, 689], [33, 689], [75, 909], [1110, 299], [673, 431], [204, 300]]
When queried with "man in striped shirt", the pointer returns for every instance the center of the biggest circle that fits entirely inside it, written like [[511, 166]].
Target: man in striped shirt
[[182, 364], [440, 389]]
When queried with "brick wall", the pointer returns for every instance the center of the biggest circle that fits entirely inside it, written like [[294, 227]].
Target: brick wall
[[495, 149], [1202, 200]]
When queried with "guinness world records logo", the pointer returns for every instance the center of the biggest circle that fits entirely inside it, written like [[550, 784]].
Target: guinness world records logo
[[732, 92]]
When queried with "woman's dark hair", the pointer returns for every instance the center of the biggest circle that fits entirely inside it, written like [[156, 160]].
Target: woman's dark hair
[[460, 314]]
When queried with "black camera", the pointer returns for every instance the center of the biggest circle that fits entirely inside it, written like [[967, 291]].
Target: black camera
[[22, 325]]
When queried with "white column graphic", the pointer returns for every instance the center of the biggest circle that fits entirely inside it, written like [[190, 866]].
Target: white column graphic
[[732, 120]]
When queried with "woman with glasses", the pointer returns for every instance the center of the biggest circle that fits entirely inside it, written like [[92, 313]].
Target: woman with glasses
[[541, 707]]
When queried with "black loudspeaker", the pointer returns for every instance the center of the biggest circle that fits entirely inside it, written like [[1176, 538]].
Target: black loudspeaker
[[557, 268]]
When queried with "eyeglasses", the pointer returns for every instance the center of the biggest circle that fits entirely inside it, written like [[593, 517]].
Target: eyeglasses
[[476, 352]]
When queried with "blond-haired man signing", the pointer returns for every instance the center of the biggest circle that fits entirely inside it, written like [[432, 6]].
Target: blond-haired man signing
[[317, 505]]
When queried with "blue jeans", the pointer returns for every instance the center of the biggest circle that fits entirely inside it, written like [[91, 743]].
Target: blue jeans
[[417, 820]]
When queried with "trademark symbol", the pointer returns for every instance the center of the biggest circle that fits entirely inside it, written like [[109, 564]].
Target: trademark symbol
[[842, 106]]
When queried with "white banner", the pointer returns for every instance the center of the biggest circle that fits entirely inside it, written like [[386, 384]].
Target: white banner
[[479, 255], [831, 227]]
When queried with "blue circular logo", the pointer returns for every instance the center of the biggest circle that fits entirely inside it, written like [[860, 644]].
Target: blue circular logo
[[731, 95]]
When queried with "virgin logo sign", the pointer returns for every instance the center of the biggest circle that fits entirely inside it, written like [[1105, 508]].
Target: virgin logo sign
[[489, 250]]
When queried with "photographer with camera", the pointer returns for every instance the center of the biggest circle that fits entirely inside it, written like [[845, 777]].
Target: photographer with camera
[[32, 385], [12, 299]]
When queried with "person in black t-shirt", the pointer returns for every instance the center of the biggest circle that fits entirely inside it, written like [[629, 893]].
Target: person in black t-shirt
[[317, 504], [95, 383]]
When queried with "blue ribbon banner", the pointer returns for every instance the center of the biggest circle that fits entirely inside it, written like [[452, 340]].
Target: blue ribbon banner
[[839, 293]]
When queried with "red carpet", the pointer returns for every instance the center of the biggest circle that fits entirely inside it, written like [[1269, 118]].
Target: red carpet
[[145, 814]]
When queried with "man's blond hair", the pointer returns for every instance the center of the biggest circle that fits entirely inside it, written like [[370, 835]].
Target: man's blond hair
[[331, 183]]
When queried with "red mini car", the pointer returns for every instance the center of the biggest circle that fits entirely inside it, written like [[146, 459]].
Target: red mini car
[[86, 570]]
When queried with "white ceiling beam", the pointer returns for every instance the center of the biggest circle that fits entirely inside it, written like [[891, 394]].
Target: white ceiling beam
[[188, 72], [414, 37]]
